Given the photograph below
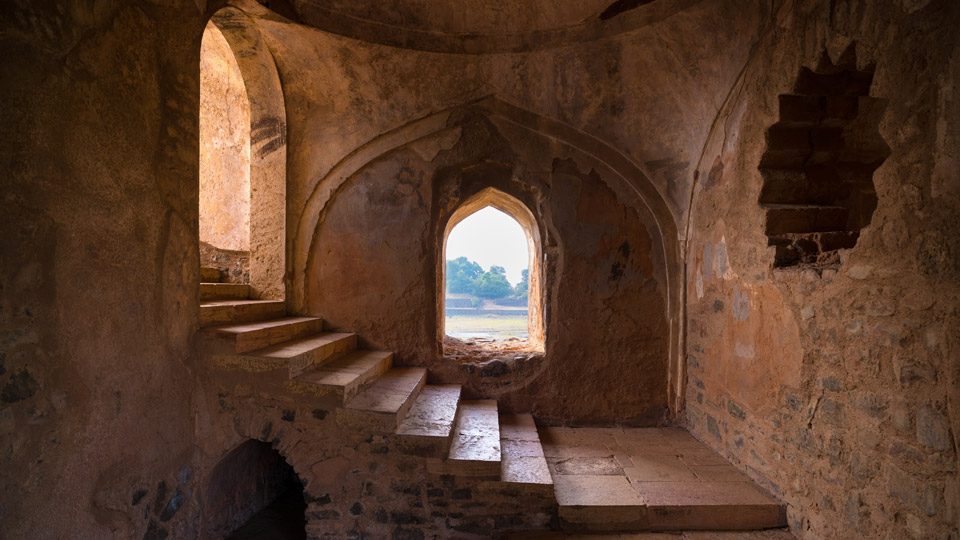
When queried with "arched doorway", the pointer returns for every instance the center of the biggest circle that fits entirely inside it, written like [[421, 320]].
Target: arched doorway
[[242, 156]]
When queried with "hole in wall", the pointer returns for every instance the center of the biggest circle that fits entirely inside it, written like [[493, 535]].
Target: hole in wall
[[818, 165], [253, 493]]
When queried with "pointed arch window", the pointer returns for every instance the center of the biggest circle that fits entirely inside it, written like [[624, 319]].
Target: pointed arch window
[[480, 296]]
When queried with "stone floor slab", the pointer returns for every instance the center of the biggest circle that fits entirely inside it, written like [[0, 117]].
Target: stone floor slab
[[710, 505], [656, 468]]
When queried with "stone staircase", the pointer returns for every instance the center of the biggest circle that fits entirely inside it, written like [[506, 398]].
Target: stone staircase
[[471, 438]]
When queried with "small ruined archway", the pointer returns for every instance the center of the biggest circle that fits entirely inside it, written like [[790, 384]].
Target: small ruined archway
[[514, 208], [253, 490]]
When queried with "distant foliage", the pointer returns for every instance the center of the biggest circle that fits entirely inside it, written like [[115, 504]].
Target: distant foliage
[[492, 285], [462, 275], [523, 288], [466, 276]]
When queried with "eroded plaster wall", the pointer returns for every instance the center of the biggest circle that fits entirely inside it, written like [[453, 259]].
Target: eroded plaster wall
[[345, 97], [224, 146], [650, 94], [837, 387], [374, 271], [99, 268]]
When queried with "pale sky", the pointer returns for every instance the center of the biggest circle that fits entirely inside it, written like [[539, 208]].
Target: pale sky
[[490, 237]]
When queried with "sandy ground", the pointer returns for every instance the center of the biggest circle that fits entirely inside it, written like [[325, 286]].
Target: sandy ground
[[487, 326]]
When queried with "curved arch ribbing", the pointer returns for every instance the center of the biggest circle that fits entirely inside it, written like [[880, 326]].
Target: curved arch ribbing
[[629, 173]]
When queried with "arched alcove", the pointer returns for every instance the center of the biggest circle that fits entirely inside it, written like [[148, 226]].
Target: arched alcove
[[224, 147], [320, 284], [513, 207], [242, 152], [253, 493]]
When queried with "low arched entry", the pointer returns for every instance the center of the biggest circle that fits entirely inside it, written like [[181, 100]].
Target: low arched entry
[[514, 208], [253, 493]]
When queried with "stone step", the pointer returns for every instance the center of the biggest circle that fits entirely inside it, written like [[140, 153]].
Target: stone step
[[663, 479], [382, 407], [765, 534], [344, 376], [709, 505], [209, 274], [599, 502], [241, 338], [217, 312], [299, 355], [428, 427], [224, 291], [475, 448], [804, 218], [522, 462]]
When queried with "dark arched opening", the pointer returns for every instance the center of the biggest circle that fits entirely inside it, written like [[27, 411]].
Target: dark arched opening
[[253, 493]]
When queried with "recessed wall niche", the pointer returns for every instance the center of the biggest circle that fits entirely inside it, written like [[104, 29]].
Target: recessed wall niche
[[818, 166]]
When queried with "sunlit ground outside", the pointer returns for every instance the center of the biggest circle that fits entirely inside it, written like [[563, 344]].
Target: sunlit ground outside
[[497, 327]]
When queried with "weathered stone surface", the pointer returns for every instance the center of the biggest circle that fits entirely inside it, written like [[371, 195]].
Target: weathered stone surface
[[833, 397], [933, 429], [428, 427], [343, 377], [689, 486], [640, 126], [475, 448], [383, 406]]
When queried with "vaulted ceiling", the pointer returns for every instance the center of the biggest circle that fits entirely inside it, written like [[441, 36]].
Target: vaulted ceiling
[[488, 26]]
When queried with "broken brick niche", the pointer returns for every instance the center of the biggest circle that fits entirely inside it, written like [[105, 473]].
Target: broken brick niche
[[818, 166]]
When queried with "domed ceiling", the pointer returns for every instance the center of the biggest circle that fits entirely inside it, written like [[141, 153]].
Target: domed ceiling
[[481, 26]]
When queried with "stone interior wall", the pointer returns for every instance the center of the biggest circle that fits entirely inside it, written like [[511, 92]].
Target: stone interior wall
[[99, 272], [837, 386], [224, 146], [343, 95], [374, 271], [649, 94], [234, 266], [837, 390], [356, 485]]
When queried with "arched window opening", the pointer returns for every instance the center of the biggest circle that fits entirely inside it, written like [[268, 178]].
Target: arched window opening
[[242, 131], [224, 154], [254, 493], [491, 274]]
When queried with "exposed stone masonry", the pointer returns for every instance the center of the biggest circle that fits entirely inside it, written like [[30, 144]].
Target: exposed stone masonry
[[818, 166]]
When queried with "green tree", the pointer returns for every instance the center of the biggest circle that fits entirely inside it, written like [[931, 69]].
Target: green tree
[[492, 285], [462, 275], [523, 288]]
